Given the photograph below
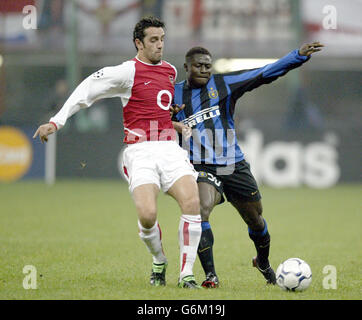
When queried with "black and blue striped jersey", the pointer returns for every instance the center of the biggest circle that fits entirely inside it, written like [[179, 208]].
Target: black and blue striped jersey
[[209, 110]]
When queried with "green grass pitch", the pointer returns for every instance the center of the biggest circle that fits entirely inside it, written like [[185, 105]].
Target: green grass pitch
[[81, 236]]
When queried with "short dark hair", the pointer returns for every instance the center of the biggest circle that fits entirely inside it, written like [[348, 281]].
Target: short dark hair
[[144, 23], [196, 50]]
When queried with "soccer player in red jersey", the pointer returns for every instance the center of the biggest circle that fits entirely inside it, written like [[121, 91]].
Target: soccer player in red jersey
[[152, 160]]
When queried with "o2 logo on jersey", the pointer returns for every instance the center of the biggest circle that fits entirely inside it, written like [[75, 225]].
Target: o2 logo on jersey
[[159, 99]]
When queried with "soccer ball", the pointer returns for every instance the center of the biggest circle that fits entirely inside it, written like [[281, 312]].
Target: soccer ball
[[294, 274]]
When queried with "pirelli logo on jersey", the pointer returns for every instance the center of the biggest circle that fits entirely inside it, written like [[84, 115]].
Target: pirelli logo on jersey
[[201, 116]]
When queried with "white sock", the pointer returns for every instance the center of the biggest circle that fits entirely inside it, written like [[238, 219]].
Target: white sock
[[189, 237], [152, 238]]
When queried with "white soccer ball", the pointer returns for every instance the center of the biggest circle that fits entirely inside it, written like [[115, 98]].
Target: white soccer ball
[[294, 274]]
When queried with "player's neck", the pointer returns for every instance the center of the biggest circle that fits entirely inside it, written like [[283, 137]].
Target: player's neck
[[144, 60], [192, 85]]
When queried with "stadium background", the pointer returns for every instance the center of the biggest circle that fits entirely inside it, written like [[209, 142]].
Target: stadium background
[[303, 130]]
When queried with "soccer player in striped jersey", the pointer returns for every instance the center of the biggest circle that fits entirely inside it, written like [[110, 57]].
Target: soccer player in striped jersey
[[209, 105], [152, 161]]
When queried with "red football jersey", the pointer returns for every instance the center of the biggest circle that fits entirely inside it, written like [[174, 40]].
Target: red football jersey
[[146, 115], [146, 91]]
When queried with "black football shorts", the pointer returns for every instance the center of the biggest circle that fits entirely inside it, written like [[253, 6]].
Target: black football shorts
[[235, 181]]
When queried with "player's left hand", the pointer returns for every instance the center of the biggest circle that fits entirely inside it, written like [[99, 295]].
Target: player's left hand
[[309, 48], [175, 108]]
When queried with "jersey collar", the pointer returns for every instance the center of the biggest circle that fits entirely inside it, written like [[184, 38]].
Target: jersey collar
[[149, 64]]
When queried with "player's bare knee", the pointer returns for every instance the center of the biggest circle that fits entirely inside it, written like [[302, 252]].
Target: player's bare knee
[[259, 223], [205, 210], [147, 222], [255, 222], [147, 216], [259, 208], [191, 205]]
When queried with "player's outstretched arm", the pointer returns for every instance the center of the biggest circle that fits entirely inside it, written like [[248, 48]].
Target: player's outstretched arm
[[309, 48], [44, 131], [105, 83], [252, 79]]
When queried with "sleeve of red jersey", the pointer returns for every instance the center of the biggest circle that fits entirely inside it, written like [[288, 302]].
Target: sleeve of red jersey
[[175, 72], [108, 82]]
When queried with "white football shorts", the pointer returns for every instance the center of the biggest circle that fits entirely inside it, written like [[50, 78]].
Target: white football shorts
[[158, 162]]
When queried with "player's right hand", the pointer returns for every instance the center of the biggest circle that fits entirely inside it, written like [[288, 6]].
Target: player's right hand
[[175, 108], [44, 131]]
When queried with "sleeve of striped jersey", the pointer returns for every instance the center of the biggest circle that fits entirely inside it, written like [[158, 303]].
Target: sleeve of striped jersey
[[178, 99], [108, 82], [246, 80]]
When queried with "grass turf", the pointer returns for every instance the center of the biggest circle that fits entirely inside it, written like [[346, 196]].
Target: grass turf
[[82, 238]]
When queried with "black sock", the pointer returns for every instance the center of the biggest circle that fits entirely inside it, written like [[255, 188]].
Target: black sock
[[205, 248], [262, 244]]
